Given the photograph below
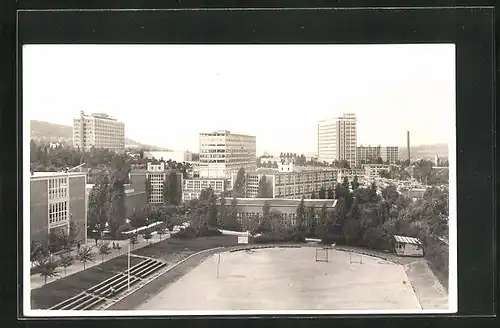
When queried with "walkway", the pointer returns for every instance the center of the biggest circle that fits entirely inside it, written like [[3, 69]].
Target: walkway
[[38, 281]]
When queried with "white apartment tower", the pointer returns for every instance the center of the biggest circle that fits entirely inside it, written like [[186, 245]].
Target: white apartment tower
[[98, 130], [337, 139], [223, 153]]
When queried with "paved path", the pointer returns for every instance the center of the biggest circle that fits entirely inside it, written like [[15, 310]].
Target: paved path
[[38, 281]]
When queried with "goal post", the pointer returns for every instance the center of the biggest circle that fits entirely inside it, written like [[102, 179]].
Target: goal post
[[321, 254], [355, 258]]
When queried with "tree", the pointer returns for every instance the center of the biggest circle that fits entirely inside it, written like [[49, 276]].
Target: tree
[[222, 211], [322, 193], [384, 174], [312, 224], [345, 183], [300, 216], [66, 260], [379, 161], [162, 230], [46, 267], [323, 217], [373, 192], [36, 251], [263, 191], [265, 223], [116, 203], [240, 183], [344, 164], [104, 249], [313, 195], [390, 194], [422, 170], [74, 230], [172, 189], [98, 203], [147, 235], [85, 255], [354, 183], [330, 193], [58, 240], [148, 188]]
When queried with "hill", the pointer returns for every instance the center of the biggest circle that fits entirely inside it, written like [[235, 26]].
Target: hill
[[41, 130]]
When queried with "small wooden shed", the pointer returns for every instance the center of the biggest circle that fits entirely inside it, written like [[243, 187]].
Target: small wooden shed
[[408, 246]]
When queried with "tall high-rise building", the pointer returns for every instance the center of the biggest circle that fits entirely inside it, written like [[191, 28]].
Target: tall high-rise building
[[98, 130], [223, 153], [337, 139]]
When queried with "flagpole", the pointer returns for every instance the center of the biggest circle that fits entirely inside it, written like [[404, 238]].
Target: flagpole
[[128, 275]]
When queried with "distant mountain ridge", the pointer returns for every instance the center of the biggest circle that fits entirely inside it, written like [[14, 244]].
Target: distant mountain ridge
[[41, 130]]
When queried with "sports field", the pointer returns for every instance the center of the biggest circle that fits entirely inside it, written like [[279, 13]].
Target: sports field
[[289, 279]]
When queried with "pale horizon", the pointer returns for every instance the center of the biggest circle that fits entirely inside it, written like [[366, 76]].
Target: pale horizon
[[167, 94]]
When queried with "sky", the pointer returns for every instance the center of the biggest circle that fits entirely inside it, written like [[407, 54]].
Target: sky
[[167, 94]]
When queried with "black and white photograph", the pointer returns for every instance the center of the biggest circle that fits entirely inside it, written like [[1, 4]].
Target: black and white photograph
[[219, 179]]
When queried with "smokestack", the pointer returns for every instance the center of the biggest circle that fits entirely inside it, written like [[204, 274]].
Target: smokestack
[[408, 145]]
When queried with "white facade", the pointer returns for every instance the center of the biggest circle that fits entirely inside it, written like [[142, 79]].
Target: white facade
[[99, 131], [192, 188], [177, 156], [337, 139], [372, 171], [223, 153]]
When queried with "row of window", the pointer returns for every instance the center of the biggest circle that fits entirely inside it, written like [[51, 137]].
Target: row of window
[[58, 212]]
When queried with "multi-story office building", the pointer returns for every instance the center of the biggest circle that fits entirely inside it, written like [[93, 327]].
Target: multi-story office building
[[56, 200], [294, 183], [157, 174], [99, 131], [337, 139], [249, 209], [368, 154], [389, 154], [192, 187], [174, 156], [223, 153]]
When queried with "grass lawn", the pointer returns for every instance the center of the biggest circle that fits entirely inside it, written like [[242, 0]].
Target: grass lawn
[[173, 250], [67, 287]]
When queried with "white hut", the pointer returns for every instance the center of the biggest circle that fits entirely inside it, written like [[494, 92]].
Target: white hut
[[408, 246]]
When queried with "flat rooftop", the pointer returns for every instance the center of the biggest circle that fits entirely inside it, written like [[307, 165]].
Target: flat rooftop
[[55, 174]]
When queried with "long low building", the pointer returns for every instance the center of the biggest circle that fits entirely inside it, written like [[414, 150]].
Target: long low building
[[57, 199], [252, 208]]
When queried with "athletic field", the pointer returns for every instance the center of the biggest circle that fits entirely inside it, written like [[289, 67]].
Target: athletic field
[[289, 279]]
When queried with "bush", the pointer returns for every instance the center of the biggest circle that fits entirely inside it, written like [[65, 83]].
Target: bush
[[376, 239], [279, 237], [186, 233], [208, 232]]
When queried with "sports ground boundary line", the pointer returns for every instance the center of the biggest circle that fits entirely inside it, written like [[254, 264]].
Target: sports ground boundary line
[[217, 250]]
